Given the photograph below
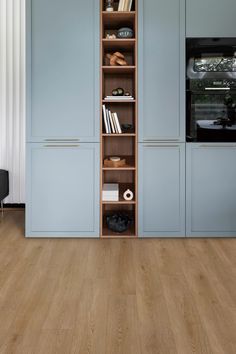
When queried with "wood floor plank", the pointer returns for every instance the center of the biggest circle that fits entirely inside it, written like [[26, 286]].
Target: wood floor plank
[[150, 296], [216, 315], [154, 323]]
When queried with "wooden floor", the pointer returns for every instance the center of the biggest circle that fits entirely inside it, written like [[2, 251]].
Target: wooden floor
[[115, 296]]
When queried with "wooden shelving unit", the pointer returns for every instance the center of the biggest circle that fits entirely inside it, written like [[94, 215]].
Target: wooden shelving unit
[[125, 144]]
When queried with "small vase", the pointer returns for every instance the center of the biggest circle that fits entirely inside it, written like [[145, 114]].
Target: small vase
[[109, 6]]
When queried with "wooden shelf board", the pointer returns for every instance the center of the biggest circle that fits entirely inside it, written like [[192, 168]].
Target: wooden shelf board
[[119, 236], [119, 135], [118, 13], [120, 202], [128, 168], [106, 233], [118, 69], [117, 18]]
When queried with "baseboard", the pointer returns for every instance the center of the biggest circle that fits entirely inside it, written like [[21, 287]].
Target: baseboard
[[13, 206]]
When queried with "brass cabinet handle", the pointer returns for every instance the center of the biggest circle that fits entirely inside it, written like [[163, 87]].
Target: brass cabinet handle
[[60, 146], [159, 140], [160, 145], [61, 140], [217, 146]]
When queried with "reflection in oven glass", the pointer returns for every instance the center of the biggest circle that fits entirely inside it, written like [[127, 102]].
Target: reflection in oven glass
[[213, 117]]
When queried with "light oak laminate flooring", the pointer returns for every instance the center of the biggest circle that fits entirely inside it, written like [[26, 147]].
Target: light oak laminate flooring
[[154, 296]]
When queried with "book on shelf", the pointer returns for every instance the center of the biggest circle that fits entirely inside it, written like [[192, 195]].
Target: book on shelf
[[114, 98], [105, 118], [125, 5], [111, 121], [117, 123], [121, 3], [108, 121]]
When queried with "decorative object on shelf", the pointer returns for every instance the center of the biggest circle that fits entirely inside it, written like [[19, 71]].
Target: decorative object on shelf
[[111, 163], [128, 195], [119, 91], [127, 128], [111, 36], [125, 32], [110, 192], [115, 158], [116, 59], [119, 222], [109, 6]]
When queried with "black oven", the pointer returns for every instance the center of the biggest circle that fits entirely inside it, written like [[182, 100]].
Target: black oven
[[211, 90]]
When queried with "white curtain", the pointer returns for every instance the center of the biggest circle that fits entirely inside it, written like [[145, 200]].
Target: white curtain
[[12, 96]]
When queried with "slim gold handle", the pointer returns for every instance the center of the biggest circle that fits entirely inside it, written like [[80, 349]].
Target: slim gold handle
[[61, 140], [60, 146], [217, 146], [158, 145]]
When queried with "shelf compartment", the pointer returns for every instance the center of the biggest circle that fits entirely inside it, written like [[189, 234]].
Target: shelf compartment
[[123, 44], [126, 115], [123, 135], [130, 164], [118, 18], [129, 57], [116, 6], [114, 80], [110, 209], [125, 148], [122, 188]]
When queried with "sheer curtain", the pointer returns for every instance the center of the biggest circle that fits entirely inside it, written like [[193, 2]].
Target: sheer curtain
[[12, 96]]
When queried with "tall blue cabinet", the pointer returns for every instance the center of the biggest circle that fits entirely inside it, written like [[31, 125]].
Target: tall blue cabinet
[[161, 118], [62, 118]]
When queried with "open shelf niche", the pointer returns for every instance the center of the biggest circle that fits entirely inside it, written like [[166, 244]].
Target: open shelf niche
[[124, 143]]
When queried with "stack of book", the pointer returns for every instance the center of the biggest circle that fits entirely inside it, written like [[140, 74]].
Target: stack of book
[[110, 192], [118, 98], [111, 121], [125, 5]]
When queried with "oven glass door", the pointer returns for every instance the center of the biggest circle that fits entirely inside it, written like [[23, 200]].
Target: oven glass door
[[213, 117]]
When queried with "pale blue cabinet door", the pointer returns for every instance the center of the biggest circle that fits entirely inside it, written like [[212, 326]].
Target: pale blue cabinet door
[[161, 70], [210, 18], [62, 69], [62, 190], [211, 190], [162, 190]]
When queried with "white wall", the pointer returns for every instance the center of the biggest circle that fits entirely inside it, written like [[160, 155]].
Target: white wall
[[12, 95]]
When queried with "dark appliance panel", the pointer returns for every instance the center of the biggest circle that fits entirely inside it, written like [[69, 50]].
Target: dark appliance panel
[[211, 90]]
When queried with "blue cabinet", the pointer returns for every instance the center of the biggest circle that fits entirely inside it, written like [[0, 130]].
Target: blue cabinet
[[161, 70], [211, 190], [62, 190], [161, 190], [62, 70], [210, 18]]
